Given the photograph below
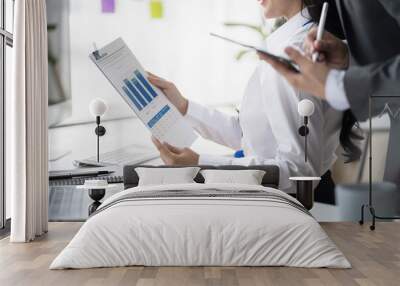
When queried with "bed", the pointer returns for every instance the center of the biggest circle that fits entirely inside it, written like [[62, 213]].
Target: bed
[[197, 224]]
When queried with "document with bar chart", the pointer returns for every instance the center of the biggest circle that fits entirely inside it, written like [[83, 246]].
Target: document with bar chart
[[125, 73]]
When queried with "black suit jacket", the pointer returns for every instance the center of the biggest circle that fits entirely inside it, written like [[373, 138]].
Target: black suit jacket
[[372, 29]]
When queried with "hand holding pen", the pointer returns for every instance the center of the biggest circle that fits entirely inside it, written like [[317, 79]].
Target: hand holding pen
[[322, 46], [331, 50]]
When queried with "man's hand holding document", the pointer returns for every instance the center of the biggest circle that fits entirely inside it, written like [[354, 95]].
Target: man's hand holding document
[[128, 77]]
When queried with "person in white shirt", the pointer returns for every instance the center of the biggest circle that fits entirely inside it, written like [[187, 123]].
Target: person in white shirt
[[266, 129]]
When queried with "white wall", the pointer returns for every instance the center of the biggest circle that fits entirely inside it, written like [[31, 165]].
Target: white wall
[[177, 47]]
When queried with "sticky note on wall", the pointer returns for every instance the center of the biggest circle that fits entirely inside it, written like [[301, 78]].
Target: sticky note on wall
[[108, 6], [156, 9]]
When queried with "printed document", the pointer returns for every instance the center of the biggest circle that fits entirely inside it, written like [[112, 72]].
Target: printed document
[[152, 107]]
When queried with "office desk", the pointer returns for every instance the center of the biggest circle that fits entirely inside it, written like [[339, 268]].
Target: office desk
[[79, 142], [75, 142], [69, 143]]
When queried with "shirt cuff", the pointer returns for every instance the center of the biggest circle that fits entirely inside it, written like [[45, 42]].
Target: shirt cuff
[[335, 92], [195, 111], [214, 160]]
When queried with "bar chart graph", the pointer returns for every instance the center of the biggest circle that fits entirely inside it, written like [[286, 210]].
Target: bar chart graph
[[152, 107], [139, 90]]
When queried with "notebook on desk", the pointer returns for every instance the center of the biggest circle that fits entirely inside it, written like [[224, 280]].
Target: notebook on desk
[[67, 202], [128, 155], [113, 175], [80, 181]]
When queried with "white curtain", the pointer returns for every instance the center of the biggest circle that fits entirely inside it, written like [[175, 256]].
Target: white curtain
[[27, 123]]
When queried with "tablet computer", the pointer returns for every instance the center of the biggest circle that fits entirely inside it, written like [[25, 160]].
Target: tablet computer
[[290, 64]]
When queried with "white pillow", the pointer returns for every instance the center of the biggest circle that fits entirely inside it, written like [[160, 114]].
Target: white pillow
[[247, 177], [166, 176]]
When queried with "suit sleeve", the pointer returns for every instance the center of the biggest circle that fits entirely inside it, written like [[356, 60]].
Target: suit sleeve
[[360, 82], [392, 7], [381, 78]]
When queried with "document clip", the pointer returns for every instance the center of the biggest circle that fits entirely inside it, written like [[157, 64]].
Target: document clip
[[96, 52]]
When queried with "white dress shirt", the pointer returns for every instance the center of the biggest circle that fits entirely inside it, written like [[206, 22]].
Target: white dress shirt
[[334, 90], [267, 126]]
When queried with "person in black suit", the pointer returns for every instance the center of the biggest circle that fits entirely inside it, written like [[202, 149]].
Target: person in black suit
[[346, 75]]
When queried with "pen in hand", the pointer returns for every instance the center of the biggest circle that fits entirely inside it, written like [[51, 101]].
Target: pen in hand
[[321, 28]]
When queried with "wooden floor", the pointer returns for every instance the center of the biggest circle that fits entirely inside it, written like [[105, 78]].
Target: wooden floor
[[375, 257]]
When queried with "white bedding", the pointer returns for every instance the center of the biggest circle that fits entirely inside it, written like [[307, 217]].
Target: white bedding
[[200, 232]]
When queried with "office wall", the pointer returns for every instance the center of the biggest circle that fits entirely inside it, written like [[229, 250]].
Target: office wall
[[177, 47]]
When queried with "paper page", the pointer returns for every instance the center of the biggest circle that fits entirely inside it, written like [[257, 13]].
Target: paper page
[[152, 107]]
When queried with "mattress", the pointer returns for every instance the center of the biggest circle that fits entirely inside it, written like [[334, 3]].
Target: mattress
[[201, 225]]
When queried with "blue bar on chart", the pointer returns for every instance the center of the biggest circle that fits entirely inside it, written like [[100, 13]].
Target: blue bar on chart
[[137, 104], [135, 93], [142, 91], [146, 83], [158, 116], [139, 90]]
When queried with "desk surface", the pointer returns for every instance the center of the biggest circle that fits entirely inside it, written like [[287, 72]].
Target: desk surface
[[66, 144], [77, 142]]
